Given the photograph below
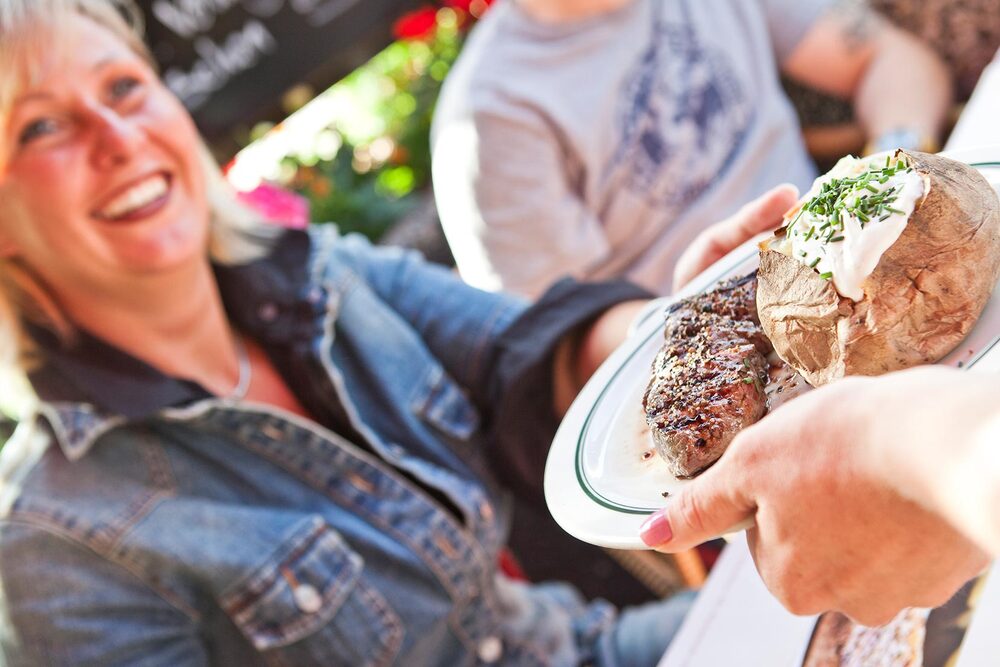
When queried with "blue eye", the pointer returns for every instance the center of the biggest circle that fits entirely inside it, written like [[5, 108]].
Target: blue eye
[[122, 86], [36, 129]]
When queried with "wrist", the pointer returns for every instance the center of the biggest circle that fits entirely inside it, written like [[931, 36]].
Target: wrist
[[565, 381], [907, 138]]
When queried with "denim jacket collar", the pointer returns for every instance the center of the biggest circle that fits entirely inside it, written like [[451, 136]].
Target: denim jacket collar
[[92, 386]]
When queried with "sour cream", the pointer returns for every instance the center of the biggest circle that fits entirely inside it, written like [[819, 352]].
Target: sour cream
[[848, 256]]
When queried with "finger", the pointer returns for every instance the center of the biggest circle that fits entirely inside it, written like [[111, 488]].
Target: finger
[[708, 507], [761, 215]]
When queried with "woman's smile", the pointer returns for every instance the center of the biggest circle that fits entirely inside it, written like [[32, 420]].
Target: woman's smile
[[138, 200]]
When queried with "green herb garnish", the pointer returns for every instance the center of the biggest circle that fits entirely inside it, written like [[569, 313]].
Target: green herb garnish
[[857, 196]]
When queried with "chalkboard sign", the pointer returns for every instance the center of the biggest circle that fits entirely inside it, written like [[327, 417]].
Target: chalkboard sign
[[230, 61]]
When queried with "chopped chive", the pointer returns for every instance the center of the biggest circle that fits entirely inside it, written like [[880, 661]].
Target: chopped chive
[[854, 196], [814, 263], [827, 275]]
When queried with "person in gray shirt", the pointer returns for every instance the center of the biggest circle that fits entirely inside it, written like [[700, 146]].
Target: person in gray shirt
[[598, 138]]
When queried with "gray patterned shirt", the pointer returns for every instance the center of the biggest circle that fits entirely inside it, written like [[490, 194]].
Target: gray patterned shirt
[[602, 147]]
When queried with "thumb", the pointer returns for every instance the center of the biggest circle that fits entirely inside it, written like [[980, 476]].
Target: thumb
[[709, 506]]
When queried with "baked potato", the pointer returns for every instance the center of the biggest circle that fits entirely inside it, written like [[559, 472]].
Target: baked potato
[[883, 265]]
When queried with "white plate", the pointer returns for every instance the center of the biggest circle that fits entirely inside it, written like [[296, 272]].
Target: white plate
[[603, 478]]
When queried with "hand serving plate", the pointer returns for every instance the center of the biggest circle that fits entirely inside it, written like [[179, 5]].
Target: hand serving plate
[[603, 476]]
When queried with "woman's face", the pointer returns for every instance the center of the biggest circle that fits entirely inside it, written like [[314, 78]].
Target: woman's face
[[100, 180]]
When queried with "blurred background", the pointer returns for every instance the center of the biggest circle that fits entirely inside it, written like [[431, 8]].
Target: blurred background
[[321, 109], [257, 76]]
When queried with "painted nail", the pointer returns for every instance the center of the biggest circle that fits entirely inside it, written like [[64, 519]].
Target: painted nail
[[656, 530]]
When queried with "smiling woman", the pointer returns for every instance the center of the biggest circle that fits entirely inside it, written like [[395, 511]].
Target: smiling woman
[[53, 130], [131, 195], [255, 446]]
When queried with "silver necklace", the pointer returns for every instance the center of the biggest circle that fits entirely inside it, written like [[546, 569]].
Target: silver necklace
[[239, 392]]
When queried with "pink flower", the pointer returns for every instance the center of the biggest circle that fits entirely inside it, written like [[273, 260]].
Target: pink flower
[[278, 205]]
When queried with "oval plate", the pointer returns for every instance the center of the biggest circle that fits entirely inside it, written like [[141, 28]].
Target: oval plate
[[602, 476]]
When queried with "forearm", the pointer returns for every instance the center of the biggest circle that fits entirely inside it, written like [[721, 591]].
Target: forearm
[[895, 81], [906, 86], [944, 450], [579, 356]]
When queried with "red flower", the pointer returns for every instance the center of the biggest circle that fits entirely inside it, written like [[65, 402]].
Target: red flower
[[418, 24]]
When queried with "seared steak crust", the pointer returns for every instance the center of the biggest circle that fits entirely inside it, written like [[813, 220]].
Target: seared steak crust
[[708, 378]]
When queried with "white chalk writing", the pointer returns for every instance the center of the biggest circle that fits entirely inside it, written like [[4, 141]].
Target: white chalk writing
[[187, 18], [219, 58], [219, 62]]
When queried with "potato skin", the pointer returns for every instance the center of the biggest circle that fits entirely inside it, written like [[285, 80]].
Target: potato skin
[[920, 302]]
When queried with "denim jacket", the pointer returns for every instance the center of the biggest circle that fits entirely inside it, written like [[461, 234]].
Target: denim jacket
[[146, 522]]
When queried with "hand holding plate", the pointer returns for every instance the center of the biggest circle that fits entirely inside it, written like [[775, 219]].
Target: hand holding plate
[[844, 519]]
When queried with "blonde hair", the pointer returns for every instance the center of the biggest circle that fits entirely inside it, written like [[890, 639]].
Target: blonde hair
[[238, 233]]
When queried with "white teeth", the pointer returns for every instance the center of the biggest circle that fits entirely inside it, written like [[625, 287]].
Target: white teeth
[[139, 195]]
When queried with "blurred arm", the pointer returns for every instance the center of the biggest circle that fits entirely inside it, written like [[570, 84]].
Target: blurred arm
[[895, 80]]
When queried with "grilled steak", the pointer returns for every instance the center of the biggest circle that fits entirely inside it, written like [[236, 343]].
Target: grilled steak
[[708, 378]]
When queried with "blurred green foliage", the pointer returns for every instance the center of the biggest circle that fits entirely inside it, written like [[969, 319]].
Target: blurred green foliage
[[380, 153]]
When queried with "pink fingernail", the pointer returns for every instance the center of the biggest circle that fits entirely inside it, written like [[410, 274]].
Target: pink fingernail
[[656, 530]]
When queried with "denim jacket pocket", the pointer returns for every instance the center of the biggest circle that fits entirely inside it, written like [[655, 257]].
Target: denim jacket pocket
[[441, 403], [310, 605]]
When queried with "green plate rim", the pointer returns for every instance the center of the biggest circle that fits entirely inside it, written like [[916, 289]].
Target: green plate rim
[[581, 475]]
